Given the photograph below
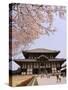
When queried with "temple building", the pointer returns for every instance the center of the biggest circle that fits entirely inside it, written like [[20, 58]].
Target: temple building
[[38, 61]]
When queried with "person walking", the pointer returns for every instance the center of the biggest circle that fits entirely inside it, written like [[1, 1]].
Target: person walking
[[58, 77]]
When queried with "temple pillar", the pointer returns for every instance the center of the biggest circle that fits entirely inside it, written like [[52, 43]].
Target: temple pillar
[[29, 69], [54, 69], [39, 69]]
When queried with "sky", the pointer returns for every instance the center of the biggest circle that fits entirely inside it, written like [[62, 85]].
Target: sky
[[55, 41]]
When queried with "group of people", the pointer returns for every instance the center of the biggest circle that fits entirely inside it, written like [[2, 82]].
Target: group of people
[[57, 74]]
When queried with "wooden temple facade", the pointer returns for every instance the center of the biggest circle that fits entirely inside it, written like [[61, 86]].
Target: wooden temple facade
[[38, 61]]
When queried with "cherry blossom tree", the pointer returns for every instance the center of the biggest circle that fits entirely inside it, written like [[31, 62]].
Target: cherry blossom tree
[[26, 23]]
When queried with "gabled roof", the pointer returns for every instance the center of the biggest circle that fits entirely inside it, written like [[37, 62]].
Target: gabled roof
[[41, 50], [42, 56]]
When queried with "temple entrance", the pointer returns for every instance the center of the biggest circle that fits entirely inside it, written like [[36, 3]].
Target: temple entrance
[[49, 70], [42, 70], [45, 71], [39, 71], [35, 71], [42, 59]]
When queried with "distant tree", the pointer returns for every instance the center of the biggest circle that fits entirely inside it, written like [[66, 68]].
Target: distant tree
[[25, 23]]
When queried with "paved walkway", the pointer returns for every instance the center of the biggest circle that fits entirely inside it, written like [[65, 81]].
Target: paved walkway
[[50, 81]]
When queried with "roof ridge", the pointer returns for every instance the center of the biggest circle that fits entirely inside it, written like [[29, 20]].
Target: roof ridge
[[41, 50]]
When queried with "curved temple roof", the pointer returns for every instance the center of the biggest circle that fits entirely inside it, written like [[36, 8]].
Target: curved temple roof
[[40, 50], [34, 60]]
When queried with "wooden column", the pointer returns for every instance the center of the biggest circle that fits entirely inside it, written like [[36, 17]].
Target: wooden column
[[45, 67], [39, 68], [29, 68]]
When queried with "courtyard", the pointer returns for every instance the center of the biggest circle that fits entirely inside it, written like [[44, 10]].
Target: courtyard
[[52, 80], [34, 80]]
